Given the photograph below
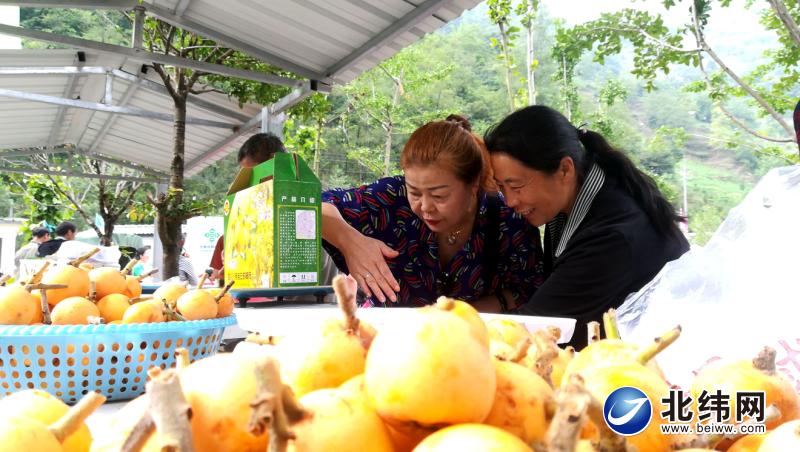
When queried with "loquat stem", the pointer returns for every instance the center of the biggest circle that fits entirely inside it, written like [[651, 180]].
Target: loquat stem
[[127, 270], [78, 261], [594, 332], [765, 361], [345, 290], [271, 406], [181, 358], [223, 291], [610, 324], [170, 412], [36, 278], [145, 275], [658, 345], [73, 419]]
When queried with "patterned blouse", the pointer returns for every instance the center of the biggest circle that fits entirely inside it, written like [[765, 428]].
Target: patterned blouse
[[513, 260]]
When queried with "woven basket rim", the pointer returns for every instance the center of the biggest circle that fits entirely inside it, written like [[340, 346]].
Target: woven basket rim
[[133, 328]]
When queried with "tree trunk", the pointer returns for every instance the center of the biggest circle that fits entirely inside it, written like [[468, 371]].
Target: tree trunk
[[108, 231], [567, 106], [388, 126], [785, 16], [387, 149], [169, 223], [531, 59], [506, 56], [317, 147], [169, 230]]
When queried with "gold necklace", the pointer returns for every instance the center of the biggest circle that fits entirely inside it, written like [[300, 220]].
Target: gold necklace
[[451, 237]]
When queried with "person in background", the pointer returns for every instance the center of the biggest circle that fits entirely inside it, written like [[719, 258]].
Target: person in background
[[256, 150], [439, 229], [64, 231], [31, 249], [609, 230], [143, 255], [185, 268]]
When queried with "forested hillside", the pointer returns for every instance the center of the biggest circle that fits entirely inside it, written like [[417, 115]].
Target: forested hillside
[[668, 121]]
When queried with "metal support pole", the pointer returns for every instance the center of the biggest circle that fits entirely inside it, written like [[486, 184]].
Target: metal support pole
[[108, 99], [271, 122], [138, 27]]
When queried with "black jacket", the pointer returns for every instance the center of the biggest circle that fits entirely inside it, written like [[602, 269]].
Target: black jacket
[[615, 251], [50, 247]]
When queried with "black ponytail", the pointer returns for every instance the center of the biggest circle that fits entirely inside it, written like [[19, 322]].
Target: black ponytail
[[540, 137], [639, 185]]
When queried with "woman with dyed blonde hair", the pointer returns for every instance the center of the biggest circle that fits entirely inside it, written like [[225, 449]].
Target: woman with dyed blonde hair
[[439, 229]]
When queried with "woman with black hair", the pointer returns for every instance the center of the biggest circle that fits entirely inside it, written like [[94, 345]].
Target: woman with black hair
[[609, 230]]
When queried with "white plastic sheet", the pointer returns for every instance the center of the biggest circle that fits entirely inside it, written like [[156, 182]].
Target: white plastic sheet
[[736, 294]]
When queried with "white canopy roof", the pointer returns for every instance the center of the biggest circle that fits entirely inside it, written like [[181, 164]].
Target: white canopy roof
[[46, 105]]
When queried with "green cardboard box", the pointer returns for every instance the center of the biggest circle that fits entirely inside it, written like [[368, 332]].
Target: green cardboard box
[[272, 225]]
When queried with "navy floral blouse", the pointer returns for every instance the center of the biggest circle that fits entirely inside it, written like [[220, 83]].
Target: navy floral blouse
[[511, 260]]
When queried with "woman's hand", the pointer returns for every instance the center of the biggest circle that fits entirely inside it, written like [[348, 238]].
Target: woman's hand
[[366, 260]]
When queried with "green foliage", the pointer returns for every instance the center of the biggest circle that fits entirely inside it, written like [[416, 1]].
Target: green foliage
[[663, 150], [107, 26], [175, 202], [712, 191], [301, 138], [45, 206], [656, 47]]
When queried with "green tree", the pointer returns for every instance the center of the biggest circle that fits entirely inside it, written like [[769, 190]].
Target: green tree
[[98, 25], [388, 97], [113, 198], [657, 48], [500, 15], [40, 195], [527, 10]]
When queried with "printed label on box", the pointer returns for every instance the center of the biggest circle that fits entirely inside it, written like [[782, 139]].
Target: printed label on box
[[306, 224], [302, 277]]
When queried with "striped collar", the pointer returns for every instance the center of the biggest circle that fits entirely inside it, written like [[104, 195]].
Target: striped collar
[[562, 227]]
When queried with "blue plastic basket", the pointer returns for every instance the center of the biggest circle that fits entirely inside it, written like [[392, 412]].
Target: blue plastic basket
[[70, 360]]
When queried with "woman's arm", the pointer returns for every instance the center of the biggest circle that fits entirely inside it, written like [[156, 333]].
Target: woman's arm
[[492, 304], [365, 256]]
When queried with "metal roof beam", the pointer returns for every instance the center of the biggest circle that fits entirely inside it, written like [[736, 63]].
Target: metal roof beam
[[181, 7], [245, 128], [129, 92], [54, 70], [118, 162], [51, 140], [192, 99], [278, 107], [77, 4], [415, 16], [73, 174], [34, 151], [290, 100], [109, 108], [230, 41], [148, 57], [89, 154]]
